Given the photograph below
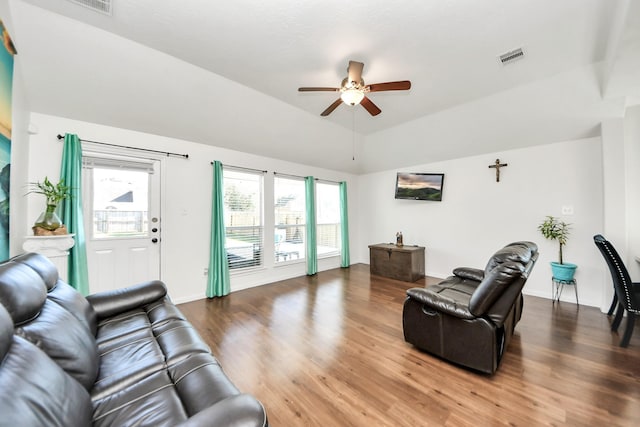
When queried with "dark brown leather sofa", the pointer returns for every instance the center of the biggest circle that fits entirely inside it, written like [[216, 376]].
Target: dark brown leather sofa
[[469, 318], [121, 358]]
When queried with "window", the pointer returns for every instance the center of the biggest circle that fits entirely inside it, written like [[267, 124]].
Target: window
[[243, 218], [328, 219], [290, 219], [120, 193]]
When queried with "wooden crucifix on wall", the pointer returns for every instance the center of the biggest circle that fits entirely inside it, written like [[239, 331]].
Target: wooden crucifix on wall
[[497, 165]]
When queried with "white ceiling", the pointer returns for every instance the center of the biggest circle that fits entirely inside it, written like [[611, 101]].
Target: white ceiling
[[239, 64]]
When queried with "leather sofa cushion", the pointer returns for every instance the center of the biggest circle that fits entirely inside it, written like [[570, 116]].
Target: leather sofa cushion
[[22, 291], [136, 348], [126, 361], [239, 410], [57, 290], [40, 265], [65, 340], [194, 377], [67, 297], [34, 390], [469, 273], [47, 324], [493, 286], [163, 310], [128, 350], [450, 296], [141, 342], [168, 366], [178, 340], [517, 252], [152, 401]]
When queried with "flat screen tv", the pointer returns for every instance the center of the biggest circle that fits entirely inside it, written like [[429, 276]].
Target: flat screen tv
[[419, 186]]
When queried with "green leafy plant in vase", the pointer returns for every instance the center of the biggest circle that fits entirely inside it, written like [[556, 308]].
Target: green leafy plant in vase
[[553, 228], [48, 223]]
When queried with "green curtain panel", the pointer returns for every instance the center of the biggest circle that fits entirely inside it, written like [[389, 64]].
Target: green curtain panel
[[312, 248], [71, 209], [218, 281], [344, 225]]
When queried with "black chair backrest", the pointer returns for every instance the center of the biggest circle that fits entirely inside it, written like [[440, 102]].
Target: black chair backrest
[[621, 280]]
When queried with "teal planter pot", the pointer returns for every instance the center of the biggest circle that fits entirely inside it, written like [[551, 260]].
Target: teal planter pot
[[563, 271]]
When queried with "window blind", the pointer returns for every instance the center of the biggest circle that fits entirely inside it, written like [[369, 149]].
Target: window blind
[[90, 162]]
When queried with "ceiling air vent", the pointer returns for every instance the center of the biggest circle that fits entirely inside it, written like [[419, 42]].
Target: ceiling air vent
[[102, 6], [512, 56]]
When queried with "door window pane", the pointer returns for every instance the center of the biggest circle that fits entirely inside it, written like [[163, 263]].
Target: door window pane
[[290, 219], [120, 203]]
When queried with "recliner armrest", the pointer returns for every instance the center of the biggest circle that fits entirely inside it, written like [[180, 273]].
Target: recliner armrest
[[110, 303], [439, 302], [469, 273], [495, 284]]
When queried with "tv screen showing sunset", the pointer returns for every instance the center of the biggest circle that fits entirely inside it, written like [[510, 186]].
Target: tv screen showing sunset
[[419, 186]]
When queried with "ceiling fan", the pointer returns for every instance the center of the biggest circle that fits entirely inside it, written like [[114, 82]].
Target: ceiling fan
[[353, 90]]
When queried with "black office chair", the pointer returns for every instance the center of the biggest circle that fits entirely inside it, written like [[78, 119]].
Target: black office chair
[[626, 295]]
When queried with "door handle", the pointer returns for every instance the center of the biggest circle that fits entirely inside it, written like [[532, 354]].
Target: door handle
[[154, 240]]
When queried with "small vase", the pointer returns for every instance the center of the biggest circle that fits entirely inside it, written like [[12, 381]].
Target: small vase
[[48, 219]]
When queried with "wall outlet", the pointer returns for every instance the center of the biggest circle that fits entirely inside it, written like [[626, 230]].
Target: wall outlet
[[206, 271], [567, 210]]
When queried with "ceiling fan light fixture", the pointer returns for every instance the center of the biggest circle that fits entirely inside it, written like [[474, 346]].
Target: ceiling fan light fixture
[[353, 90], [352, 96]]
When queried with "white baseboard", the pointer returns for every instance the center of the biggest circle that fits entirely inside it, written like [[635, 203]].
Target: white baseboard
[[189, 298]]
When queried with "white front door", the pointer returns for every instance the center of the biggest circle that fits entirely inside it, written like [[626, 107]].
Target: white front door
[[121, 203]]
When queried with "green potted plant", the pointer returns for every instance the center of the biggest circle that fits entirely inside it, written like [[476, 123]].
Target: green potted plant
[[48, 222], [554, 229]]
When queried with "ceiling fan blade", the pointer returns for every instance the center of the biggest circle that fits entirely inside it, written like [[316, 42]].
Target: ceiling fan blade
[[331, 107], [379, 87], [318, 89], [370, 106], [355, 71]]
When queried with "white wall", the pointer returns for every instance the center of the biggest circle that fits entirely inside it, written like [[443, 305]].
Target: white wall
[[19, 146], [187, 202], [477, 216], [19, 161], [535, 113], [615, 191], [632, 196]]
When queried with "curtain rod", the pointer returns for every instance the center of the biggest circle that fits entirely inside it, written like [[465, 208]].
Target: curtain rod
[[288, 175], [303, 177], [241, 168], [167, 153]]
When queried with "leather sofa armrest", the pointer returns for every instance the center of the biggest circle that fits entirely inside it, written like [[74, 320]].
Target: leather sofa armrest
[[238, 410], [501, 308], [438, 302], [495, 284], [469, 273], [109, 303]]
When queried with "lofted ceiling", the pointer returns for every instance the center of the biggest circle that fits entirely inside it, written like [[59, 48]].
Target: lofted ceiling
[[226, 73]]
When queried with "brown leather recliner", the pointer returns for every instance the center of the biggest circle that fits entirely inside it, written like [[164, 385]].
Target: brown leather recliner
[[469, 318]]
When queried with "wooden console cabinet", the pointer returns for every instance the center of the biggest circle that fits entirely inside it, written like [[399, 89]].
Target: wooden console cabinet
[[397, 262]]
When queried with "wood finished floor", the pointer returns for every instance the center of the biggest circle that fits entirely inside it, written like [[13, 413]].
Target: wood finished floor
[[328, 350]]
